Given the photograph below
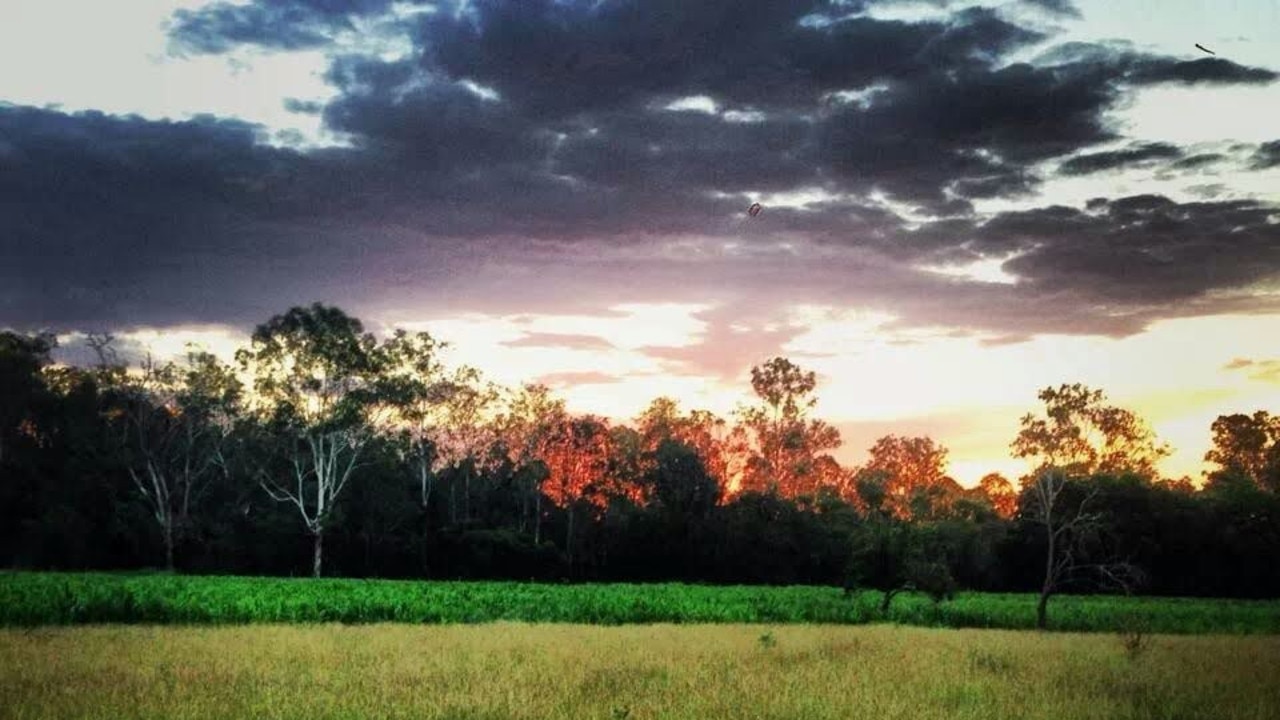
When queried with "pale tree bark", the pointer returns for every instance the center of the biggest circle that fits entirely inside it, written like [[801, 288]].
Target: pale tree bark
[[175, 444], [1064, 530], [319, 476]]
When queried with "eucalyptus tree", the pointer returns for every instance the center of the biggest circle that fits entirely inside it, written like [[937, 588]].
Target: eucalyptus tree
[[1065, 511], [525, 427], [788, 448], [173, 422], [315, 374], [1081, 435], [701, 430], [577, 452], [439, 418], [1248, 444], [913, 468]]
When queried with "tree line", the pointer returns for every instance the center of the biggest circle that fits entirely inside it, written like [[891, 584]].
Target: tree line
[[322, 449]]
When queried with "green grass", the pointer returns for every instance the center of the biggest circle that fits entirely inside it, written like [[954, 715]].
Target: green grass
[[34, 599], [638, 672]]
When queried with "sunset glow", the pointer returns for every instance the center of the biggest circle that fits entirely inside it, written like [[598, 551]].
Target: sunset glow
[[932, 242]]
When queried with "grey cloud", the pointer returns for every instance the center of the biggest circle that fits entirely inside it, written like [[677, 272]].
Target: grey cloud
[[1202, 71], [1267, 155], [1110, 160], [303, 107], [574, 189], [1059, 7], [1200, 160], [279, 24]]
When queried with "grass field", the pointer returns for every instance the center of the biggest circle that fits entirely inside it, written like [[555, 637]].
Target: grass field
[[34, 599], [511, 670]]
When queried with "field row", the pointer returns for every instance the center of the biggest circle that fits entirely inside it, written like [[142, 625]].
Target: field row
[[29, 599], [636, 672]]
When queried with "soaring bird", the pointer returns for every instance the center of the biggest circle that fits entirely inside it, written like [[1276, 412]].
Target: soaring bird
[[1206, 49]]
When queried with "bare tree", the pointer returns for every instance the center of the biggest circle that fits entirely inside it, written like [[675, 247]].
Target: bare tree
[[438, 420], [173, 424], [1071, 530]]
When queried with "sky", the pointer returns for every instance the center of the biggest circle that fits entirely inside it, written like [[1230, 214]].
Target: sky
[[963, 202]]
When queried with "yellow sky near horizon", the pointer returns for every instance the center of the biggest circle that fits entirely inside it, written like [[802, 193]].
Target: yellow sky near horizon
[[873, 380]]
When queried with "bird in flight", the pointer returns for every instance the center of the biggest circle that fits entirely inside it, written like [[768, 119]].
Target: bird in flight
[[1206, 49], [755, 209]]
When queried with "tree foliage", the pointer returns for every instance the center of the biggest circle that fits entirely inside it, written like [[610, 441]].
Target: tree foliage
[[787, 448], [1250, 445], [1081, 435], [405, 466]]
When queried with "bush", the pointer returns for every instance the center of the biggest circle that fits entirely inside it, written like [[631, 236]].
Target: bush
[[31, 599]]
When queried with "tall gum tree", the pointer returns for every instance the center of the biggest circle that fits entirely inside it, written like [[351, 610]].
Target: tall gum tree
[[174, 426], [440, 418], [788, 449], [1078, 436], [530, 414], [577, 453], [1248, 444], [913, 467], [702, 430], [315, 381]]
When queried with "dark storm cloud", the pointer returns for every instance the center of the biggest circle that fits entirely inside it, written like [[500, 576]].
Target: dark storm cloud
[[1007, 184], [127, 221], [554, 59], [981, 124], [303, 107], [279, 24], [1266, 156], [1133, 155], [1203, 71], [1142, 250], [521, 159], [1060, 7], [1193, 162]]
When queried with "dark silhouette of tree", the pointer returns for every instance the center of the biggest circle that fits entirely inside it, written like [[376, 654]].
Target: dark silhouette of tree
[[680, 485], [22, 359], [524, 429], [1071, 525], [708, 434], [435, 468], [1250, 445]]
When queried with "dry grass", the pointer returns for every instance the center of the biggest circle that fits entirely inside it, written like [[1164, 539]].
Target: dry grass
[[632, 672]]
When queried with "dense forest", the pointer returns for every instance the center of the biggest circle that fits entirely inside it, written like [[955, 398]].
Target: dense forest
[[323, 449]]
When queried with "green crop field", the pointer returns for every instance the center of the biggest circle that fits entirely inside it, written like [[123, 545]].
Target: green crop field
[[702, 672], [33, 599]]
